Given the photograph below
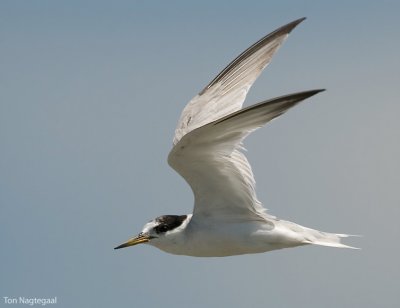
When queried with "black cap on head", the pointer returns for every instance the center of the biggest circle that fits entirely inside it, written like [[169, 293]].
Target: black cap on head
[[168, 222]]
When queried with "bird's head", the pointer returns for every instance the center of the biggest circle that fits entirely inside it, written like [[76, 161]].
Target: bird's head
[[156, 230]]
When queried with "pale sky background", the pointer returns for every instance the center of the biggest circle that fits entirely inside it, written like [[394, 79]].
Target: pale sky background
[[90, 93]]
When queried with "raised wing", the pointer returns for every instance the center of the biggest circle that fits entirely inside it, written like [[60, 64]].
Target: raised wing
[[226, 93], [210, 160]]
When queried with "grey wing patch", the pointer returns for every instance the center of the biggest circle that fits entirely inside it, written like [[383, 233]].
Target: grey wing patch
[[251, 50]]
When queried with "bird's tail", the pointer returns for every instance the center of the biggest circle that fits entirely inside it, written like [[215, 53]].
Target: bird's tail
[[305, 236], [316, 237]]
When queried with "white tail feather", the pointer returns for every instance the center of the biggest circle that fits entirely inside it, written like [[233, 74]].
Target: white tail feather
[[316, 237]]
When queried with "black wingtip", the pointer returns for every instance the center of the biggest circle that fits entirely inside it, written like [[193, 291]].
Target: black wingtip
[[319, 90], [290, 26], [309, 93], [300, 20], [285, 29]]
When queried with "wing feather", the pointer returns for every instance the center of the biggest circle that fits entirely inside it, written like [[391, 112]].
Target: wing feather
[[210, 160], [227, 91]]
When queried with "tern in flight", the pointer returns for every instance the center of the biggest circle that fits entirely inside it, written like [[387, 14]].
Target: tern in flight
[[227, 217]]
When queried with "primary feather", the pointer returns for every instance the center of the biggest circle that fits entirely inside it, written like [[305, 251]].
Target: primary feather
[[226, 92]]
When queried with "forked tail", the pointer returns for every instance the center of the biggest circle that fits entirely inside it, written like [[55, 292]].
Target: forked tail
[[316, 237]]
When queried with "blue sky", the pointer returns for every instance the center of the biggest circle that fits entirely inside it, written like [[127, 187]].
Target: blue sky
[[90, 93]]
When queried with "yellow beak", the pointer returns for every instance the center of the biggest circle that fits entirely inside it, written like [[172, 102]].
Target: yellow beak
[[134, 241]]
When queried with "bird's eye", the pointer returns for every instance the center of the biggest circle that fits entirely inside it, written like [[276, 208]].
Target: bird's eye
[[161, 229]]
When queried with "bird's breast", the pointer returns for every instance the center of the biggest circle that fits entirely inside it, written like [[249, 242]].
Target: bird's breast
[[222, 239]]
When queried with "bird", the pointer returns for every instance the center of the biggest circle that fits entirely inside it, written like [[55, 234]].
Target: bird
[[208, 153]]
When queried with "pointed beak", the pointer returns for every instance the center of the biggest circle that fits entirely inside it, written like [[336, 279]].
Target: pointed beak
[[143, 238]]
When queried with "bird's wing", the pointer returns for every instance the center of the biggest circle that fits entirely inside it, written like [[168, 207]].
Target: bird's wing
[[226, 93], [210, 160]]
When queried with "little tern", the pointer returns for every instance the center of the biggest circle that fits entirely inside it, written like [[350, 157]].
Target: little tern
[[207, 152]]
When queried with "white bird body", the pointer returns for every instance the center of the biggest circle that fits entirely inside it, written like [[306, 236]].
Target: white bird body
[[227, 217], [215, 239]]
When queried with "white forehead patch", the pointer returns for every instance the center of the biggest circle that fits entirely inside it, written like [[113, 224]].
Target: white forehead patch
[[149, 226]]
